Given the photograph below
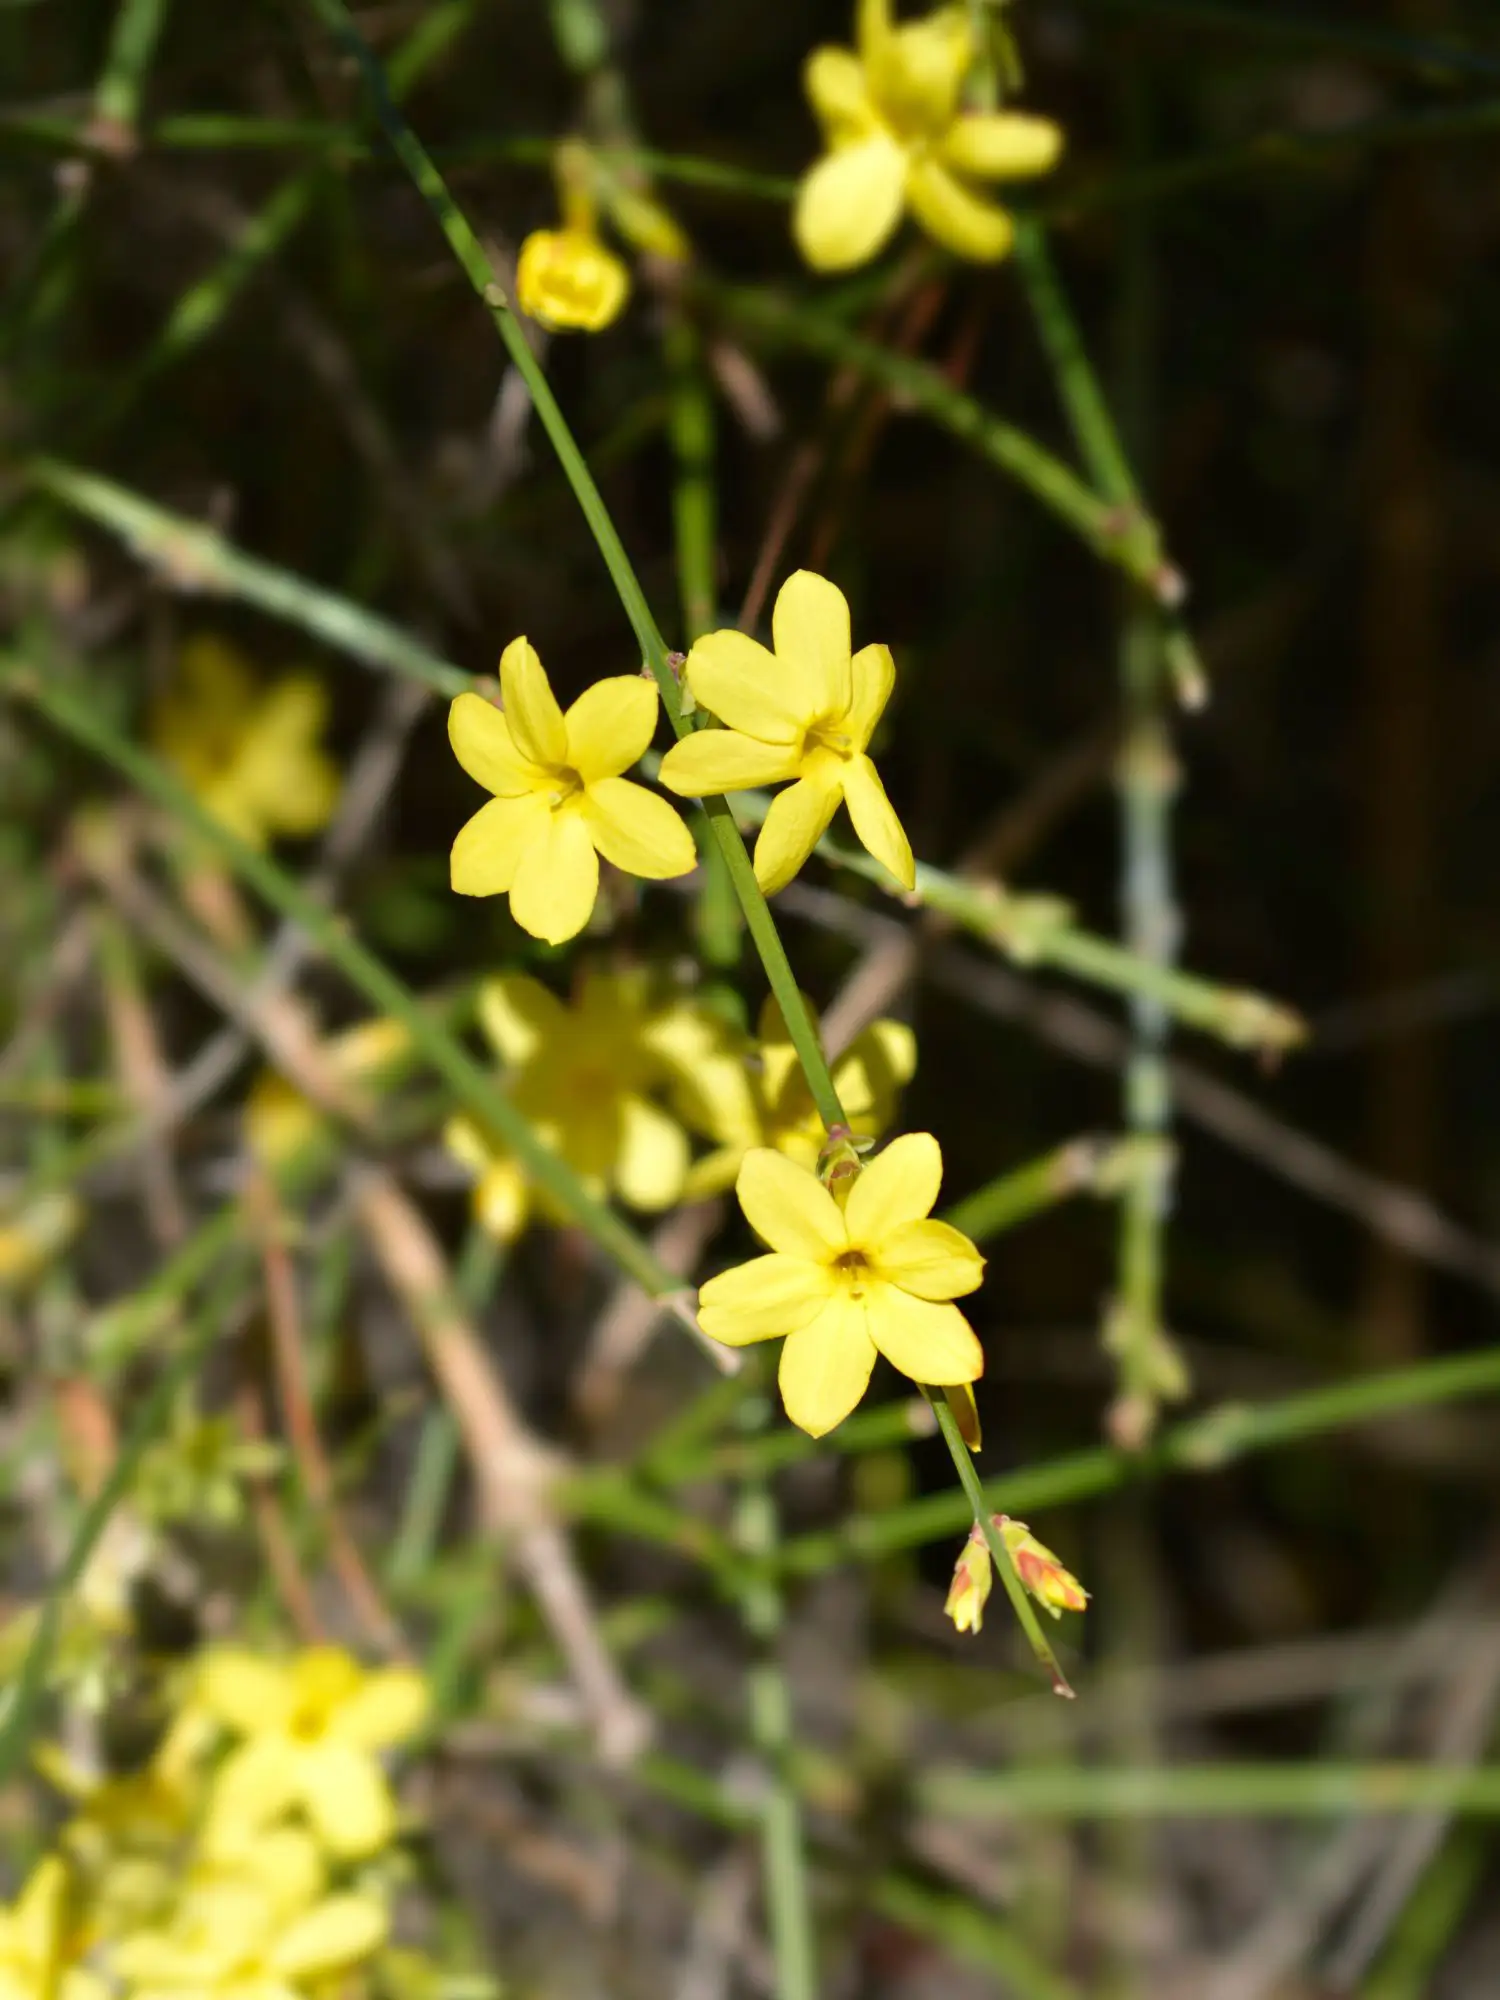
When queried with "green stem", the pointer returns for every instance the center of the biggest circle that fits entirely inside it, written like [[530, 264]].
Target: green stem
[[1222, 1791], [77, 717], [1025, 1191], [973, 1493], [476, 266]]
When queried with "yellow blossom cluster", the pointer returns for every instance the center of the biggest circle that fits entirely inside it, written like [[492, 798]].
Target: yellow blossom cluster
[[244, 1861]]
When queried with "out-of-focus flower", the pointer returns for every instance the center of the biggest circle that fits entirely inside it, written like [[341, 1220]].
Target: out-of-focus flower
[[560, 801], [36, 1949], [251, 756], [280, 1124], [1050, 1584], [198, 1469], [567, 279], [34, 1237], [973, 1576], [855, 1271], [311, 1727], [804, 712], [592, 1079], [235, 1940], [898, 138], [748, 1093]]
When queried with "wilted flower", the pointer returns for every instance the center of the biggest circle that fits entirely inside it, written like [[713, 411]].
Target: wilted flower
[[853, 1272], [804, 712], [590, 1078], [560, 801], [898, 138], [311, 1727], [251, 757]]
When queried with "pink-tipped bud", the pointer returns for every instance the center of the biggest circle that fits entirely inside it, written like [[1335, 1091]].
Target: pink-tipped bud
[[1053, 1587], [972, 1578]]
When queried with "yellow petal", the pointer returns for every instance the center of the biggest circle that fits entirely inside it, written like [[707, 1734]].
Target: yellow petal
[[763, 1299], [917, 73], [519, 1015], [796, 822], [653, 1156], [872, 1070], [536, 721], [610, 726], [960, 220], [637, 830], [873, 29], [898, 1186], [487, 849], [835, 83], [875, 821], [872, 675], [735, 678], [483, 744], [925, 1340], [389, 1707], [721, 760], [1002, 145], [256, 1783], [557, 880], [932, 1260], [336, 1934], [30, 1928], [502, 1200], [789, 1208], [825, 1367], [810, 628], [849, 204], [243, 1691], [567, 281], [345, 1795]]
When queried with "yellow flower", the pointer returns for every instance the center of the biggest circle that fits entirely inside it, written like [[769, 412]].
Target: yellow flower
[[588, 1078], [898, 138], [280, 1124], [852, 1273], [34, 1943], [560, 801], [748, 1094], [311, 1727], [1043, 1575], [237, 1940], [251, 757], [805, 712], [973, 1576], [568, 281]]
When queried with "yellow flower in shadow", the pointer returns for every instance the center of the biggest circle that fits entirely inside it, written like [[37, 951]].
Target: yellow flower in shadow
[[592, 1079], [251, 756], [804, 712], [560, 801], [853, 1272], [899, 139], [311, 1727]]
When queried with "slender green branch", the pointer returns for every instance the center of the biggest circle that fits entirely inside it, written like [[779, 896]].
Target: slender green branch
[[1212, 1791], [1015, 1196], [71, 712], [476, 266]]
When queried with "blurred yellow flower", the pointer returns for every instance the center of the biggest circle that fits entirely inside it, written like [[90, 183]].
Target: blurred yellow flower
[[590, 1078], [853, 1272], [311, 1727], [236, 1940], [280, 1123], [804, 712], [560, 801], [35, 1237], [35, 1942], [1043, 1575], [251, 756], [753, 1093], [568, 281], [898, 138]]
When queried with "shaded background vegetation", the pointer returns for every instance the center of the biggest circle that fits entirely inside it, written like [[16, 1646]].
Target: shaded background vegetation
[[1279, 232]]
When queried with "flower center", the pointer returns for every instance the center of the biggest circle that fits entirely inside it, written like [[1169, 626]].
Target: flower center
[[566, 784], [853, 1269], [827, 733]]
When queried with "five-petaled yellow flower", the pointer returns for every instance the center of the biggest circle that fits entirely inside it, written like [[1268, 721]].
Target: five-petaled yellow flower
[[589, 1078], [252, 757], [898, 138], [560, 801], [311, 1728], [852, 1273], [806, 712]]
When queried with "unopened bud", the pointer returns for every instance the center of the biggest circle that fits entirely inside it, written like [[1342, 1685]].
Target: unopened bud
[[973, 1575], [1053, 1587]]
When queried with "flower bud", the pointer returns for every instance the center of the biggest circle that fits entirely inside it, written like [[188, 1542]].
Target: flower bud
[[1053, 1587], [567, 281], [972, 1577]]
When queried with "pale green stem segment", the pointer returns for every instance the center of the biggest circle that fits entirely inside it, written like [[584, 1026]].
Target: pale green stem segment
[[76, 717], [1015, 1590], [137, 29], [1013, 1197], [476, 266], [1212, 1791]]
